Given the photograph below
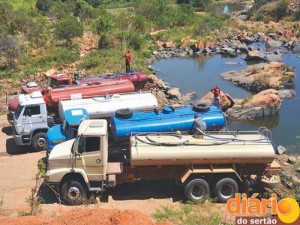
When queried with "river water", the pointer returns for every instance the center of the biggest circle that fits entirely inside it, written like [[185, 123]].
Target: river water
[[201, 73]]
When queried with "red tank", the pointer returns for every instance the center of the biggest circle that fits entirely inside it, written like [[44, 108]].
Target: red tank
[[103, 87]]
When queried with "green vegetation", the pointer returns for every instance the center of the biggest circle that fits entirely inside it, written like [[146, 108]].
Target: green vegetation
[[272, 11], [187, 214], [52, 29]]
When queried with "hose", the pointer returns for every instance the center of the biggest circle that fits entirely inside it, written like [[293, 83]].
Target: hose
[[234, 139], [186, 143]]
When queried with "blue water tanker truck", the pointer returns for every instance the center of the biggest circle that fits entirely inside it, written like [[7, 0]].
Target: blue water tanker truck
[[166, 120]]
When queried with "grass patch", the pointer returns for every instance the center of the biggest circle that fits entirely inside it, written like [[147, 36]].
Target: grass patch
[[187, 214], [111, 61], [53, 57]]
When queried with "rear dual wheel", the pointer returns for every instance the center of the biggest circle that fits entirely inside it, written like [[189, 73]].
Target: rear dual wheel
[[224, 189], [196, 190]]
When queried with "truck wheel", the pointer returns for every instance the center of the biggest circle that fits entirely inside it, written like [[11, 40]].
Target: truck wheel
[[39, 141], [225, 189], [124, 113], [73, 192], [196, 190], [201, 107]]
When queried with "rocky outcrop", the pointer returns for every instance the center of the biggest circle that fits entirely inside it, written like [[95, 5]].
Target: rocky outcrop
[[225, 99], [265, 103], [263, 76]]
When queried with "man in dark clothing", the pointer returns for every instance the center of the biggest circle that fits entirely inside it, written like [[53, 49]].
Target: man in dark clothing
[[198, 124], [217, 93], [128, 58]]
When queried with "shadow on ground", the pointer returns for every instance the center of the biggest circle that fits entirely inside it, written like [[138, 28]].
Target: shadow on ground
[[7, 130], [141, 190], [13, 149]]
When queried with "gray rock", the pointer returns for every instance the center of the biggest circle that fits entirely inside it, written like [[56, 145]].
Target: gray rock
[[188, 98], [274, 57], [161, 97], [207, 50], [255, 55], [296, 49], [174, 93], [250, 113], [286, 94], [228, 51], [272, 44], [298, 170]]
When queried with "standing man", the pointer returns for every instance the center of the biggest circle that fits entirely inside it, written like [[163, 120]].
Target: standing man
[[217, 92], [128, 58]]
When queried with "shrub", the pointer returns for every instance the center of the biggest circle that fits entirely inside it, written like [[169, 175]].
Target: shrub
[[104, 42], [83, 10], [68, 28], [94, 3], [202, 4], [139, 23], [104, 23], [209, 23], [135, 40], [44, 5], [60, 10], [280, 10], [297, 15]]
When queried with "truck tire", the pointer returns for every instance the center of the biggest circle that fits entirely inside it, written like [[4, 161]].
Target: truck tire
[[225, 189], [201, 107], [73, 192], [124, 113], [39, 141], [196, 190]]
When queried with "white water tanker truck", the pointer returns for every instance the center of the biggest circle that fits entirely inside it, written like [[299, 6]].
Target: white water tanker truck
[[217, 162]]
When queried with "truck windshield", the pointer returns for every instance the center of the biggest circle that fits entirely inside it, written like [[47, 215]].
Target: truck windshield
[[18, 111]]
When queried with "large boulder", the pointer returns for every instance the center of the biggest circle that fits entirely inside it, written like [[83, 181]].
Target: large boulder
[[256, 78], [225, 99], [255, 55], [263, 104], [272, 44]]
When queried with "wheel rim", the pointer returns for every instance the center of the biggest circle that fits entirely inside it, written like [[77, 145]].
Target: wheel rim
[[73, 193], [227, 191], [198, 192], [41, 142]]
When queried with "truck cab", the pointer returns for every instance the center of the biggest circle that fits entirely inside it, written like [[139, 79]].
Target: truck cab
[[79, 166], [30, 121], [68, 129]]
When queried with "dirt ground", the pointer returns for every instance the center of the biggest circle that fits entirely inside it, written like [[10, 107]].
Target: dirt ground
[[18, 167]]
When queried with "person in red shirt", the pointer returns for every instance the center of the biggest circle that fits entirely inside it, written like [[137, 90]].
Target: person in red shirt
[[128, 58], [217, 93]]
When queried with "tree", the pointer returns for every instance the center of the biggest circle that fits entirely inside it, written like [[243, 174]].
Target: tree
[[68, 28]]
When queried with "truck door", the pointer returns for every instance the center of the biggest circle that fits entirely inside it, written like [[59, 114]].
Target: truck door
[[33, 118], [90, 158]]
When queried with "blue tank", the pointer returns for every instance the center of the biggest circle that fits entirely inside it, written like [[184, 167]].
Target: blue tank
[[166, 120]]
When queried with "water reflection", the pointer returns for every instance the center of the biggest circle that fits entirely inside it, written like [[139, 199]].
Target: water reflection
[[226, 8], [269, 122]]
